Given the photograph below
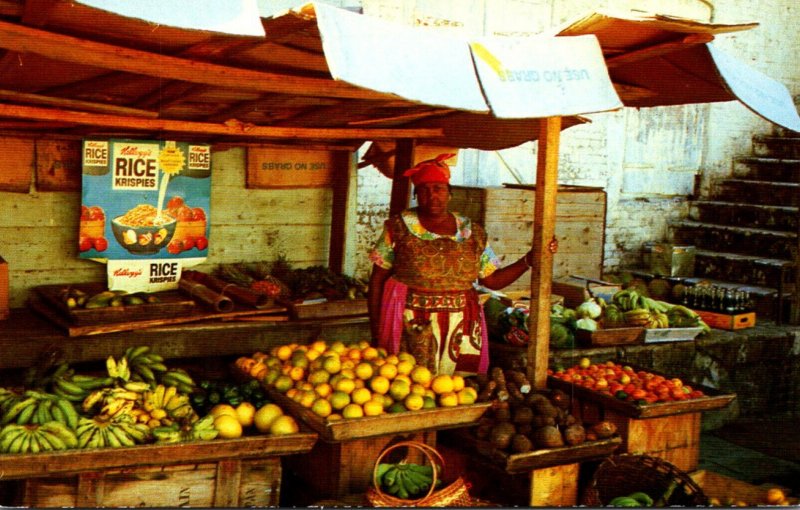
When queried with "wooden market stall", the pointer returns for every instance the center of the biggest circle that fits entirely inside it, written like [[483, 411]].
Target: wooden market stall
[[309, 83]]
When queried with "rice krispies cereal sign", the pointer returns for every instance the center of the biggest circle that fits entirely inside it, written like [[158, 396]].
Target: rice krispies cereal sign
[[145, 209]]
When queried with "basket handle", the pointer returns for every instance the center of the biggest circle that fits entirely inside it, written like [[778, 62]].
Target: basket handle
[[433, 456]]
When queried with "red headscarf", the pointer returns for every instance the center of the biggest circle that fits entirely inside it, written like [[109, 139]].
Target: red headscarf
[[431, 170]]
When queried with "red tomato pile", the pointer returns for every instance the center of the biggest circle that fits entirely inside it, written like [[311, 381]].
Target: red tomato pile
[[86, 243], [625, 383]]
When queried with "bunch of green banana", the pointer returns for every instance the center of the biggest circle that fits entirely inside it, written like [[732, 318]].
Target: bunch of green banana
[[144, 364], [168, 434], [178, 378], [104, 432], [626, 299], [612, 316], [405, 479], [118, 369], [201, 430], [76, 387], [681, 317], [45, 437], [36, 408], [632, 500]]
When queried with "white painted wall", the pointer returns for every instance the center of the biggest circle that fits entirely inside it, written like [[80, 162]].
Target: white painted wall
[[647, 160]]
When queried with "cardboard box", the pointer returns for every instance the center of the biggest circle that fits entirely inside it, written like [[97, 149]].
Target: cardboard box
[[576, 290], [3, 289], [672, 260]]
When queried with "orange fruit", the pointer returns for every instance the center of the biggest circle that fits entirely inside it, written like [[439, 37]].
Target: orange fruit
[[339, 400], [360, 395], [393, 359], [334, 417], [245, 413], [292, 393], [775, 496], [467, 396], [399, 389], [220, 409], [321, 407], [406, 356], [319, 377], [297, 373], [228, 426], [373, 408], [421, 375], [369, 353], [354, 354], [312, 354], [307, 398], [283, 425], [379, 384], [458, 383], [323, 390], [441, 384], [348, 372], [345, 385], [404, 367], [364, 370], [319, 346], [428, 402], [331, 364], [299, 359], [284, 352], [352, 411], [338, 346], [414, 402], [418, 389], [388, 370], [448, 399]]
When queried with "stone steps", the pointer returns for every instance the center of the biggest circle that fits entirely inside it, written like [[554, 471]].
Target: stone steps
[[758, 192], [759, 242], [744, 269], [771, 217], [777, 146], [767, 169]]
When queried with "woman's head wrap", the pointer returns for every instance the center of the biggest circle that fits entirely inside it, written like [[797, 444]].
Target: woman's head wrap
[[431, 170]]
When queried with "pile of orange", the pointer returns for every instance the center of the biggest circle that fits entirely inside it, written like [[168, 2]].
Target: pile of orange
[[340, 380]]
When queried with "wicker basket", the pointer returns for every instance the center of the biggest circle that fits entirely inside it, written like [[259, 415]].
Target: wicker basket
[[624, 474], [455, 494]]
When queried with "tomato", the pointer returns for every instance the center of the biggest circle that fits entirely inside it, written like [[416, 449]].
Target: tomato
[[85, 243], [651, 398], [175, 202], [96, 213], [188, 243], [184, 213], [175, 247], [638, 394], [697, 394], [84, 213], [198, 214], [201, 243], [100, 243]]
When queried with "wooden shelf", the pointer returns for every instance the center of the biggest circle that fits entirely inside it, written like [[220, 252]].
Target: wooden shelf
[[26, 334]]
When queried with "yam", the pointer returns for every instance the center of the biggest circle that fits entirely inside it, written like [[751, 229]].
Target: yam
[[574, 435], [548, 437]]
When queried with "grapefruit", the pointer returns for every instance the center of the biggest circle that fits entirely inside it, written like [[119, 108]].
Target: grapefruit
[[265, 415], [283, 425]]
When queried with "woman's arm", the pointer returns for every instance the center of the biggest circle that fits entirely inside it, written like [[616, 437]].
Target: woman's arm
[[507, 275], [376, 281]]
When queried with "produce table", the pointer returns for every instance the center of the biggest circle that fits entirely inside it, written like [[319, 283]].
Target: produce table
[[226, 473]]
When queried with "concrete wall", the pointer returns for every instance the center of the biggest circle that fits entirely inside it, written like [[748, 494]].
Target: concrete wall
[[648, 160]]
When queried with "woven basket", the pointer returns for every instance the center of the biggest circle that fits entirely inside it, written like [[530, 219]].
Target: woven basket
[[456, 494], [619, 475]]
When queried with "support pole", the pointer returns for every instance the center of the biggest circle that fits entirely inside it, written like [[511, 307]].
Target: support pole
[[544, 219], [401, 189]]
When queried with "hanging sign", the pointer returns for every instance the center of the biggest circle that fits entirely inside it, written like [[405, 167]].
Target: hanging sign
[[270, 167], [145, 209]]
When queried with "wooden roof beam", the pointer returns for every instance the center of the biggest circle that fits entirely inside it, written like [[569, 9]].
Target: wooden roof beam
[[657, 50], [38, 99], [106, 56], [232, 128]]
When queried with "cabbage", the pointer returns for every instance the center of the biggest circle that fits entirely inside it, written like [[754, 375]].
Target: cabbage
[[561, 337], [590, 309], [587, 324]]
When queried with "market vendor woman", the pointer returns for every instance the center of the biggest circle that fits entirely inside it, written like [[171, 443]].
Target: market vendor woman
[[421, 294]]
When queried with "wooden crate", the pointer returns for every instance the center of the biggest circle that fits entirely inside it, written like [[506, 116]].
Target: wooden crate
[[727, 321], [507, 215], [227, 483], [4, 311], [336, 470], [730, 491]]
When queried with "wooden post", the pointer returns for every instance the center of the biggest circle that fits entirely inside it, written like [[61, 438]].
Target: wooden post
[[343, 162], [401, 189], [544, 217]]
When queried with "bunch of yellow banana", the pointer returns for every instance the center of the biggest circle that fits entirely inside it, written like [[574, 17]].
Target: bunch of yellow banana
[[657, 320], [34, 407], [165, 405], [106, 432], [45, 437], [178, 378], [145, 364], [117, 400], [637, 317], [118, 369]]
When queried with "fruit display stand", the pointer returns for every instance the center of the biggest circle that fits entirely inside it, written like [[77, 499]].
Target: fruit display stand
[[668, 430], [342, 461], [220, 473]]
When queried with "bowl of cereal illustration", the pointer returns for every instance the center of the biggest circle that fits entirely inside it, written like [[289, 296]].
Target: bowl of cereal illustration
[[142, 231]]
